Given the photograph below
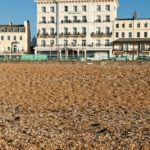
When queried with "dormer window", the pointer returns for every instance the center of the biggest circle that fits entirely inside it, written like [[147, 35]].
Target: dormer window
[[9, 29], [21, 29], [2, 30], [15, 30]]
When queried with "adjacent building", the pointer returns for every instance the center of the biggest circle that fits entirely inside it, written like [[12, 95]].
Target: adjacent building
[[75, 27], [131, 37], [15, 39]]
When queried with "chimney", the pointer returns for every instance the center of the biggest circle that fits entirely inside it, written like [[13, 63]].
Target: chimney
[[135, 15], [10, 23]]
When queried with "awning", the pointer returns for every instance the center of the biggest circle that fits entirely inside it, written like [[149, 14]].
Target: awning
[[122, 40]]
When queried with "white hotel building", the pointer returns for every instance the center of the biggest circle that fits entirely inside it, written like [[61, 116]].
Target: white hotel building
[[75, 27]]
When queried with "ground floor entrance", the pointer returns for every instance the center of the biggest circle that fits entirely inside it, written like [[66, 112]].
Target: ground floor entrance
[[15, 48]]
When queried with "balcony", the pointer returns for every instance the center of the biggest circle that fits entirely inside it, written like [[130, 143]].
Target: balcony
[[84, 21], [75, 21], [42, 22], [107, 20], [66, 21], [46, 35], [97, 21], [65, 35], [51, 21], [101, 34]]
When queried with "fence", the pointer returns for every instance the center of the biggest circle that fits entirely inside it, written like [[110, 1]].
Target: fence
[[45, 57]]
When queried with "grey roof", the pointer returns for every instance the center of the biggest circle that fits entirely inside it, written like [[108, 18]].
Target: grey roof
[[132, 40]]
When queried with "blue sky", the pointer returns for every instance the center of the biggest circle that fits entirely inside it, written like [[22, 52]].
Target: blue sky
[[20, 10]]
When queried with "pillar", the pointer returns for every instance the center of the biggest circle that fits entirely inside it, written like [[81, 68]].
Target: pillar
[[85, 54], [78, 53]]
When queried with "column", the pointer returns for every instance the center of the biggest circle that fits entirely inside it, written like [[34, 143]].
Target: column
[[85, 54], [66, 53], [78, 53]]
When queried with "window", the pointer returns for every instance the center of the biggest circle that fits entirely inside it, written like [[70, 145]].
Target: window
[[130, 34], [84, 19], [65, 42], [21, 29], [143, 46], [123, 25], [66, 8], [51, 31], [98, 7], [43, 43], [145, 34], [75, 8], [43, 19], [84, 8], [117, 34], [98, 19], [130, 25], [51, 42], [107, 18], [52, 9], [125, 46], [107, 30], [107, 7], [74, 31], [98, 30], [83, 42], [20, 38], [138, 25], [98, 43], [74, 42], [9, 30], [117, 25], [43, 9], [123, 34], [2, 37], [15, 38], [52, 20], [75, 19], [107, 43], [8, 38], [65, 18], [83, 30], [138, 34], [15, 30], [43, 31], [2, 30], [65, 31], [145, 25]]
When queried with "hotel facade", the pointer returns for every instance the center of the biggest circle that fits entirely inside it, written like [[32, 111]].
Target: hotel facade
[[75, 27], [131, 37], [15, 39]]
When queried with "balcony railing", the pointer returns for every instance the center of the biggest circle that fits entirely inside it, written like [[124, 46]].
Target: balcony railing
[[97, 20], [46, 35], [107, 20], [131, 49], [73, 34], [101, 34], [76, 45]]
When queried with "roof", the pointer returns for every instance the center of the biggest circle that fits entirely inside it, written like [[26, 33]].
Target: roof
[[11, 26], [132, 40]]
